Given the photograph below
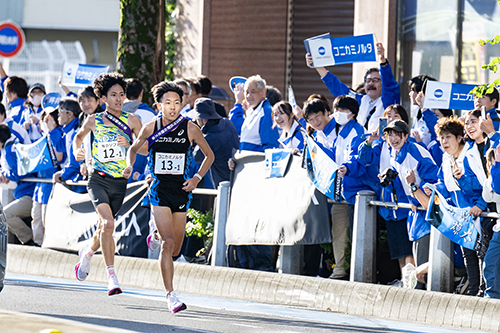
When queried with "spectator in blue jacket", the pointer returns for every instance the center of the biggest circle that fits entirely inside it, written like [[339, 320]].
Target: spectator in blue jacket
[[15, 90], [17, 130], [381, 89], [415, 168], [20, 208], [69, 110], [490, 103]]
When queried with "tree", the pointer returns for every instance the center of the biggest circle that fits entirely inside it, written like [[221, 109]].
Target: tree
[[141, 41], [492, 66]]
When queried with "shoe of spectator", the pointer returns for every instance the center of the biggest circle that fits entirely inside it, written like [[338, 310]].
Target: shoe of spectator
[[152, 241], [82, 269], [181, 259], [173, 303], [396, 283], [113, 286], [338, 273]]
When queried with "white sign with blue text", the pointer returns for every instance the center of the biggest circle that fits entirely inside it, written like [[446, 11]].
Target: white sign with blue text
[[327, 51], [81, 74], [442, 95]]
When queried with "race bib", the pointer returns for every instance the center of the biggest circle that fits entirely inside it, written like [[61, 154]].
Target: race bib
[[110, 151], [169, 163]]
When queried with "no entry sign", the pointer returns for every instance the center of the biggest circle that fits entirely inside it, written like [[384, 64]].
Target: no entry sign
[[11, 39]]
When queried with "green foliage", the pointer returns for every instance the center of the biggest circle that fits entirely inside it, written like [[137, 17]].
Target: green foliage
[[199, 224], [495, 40], [170, 40]]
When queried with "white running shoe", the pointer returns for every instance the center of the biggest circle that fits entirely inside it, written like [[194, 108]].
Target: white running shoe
[[113, 286], [82, 269], [152, 241], [174, 305]]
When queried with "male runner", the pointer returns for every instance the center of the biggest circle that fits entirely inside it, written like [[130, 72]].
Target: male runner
[[170, 139], [112, 131]]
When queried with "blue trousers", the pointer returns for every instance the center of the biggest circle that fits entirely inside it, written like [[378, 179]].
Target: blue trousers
[[492, 267]]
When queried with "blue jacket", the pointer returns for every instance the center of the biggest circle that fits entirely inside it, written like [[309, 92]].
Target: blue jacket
[[256, 128], [294, 139], [378, 158], [222, 137], [16, 110], [413, 156]]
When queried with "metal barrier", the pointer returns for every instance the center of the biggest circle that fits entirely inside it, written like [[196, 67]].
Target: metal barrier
[[221, 211], [440, 276]]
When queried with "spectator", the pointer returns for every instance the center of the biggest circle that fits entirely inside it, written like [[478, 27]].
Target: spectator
[[415, 167], [381, 88], [491, 193], [490, 103], [292, 133], [221, 136], [206, 89], [16, 90], [195, 91], [89, 104], [69, 111], [134, 104], [20, 208], [254, 126], [273, 95], [424, 119], [48, 125], [186, 89], [17, 130], [340, 137], [256, 134], [33, 112], [375, 150]]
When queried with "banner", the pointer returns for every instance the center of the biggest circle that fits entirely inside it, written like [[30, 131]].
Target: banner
[[442, 95], [51, 99], [81, 74], [291, 98], [34, 157], [286, 210], [455, 223], [321, 169], [71, 221], [327, 51], [277, 162]]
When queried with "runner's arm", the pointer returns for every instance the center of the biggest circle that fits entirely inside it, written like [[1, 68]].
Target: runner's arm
[[195, 135], [142, 138], [82, 133]]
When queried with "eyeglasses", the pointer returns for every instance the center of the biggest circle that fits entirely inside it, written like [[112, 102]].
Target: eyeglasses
[[62, 110], [374, 80]]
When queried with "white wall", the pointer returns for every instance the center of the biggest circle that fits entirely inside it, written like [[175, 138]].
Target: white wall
[[96, 15]]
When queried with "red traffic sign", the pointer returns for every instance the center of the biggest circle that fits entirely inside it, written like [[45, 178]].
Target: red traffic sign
[[11, 39]]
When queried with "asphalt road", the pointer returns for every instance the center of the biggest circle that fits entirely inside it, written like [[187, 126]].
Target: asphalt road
[[146, 311]]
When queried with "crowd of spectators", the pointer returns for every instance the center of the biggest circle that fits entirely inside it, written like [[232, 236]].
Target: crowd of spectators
[[458, 155]]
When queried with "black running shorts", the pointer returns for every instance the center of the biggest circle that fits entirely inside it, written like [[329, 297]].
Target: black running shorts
[[174, 198], [106, 189]]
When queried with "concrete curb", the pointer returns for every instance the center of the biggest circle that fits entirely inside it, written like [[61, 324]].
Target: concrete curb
[[360, 299]]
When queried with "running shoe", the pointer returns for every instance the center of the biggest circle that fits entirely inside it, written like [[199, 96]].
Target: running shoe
[[174, 305], [82, 269], [153, 241], [113, 286]]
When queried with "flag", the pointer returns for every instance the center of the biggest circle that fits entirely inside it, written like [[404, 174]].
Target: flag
[[35, 156], [321, 169], [455, 223], [277, 162]]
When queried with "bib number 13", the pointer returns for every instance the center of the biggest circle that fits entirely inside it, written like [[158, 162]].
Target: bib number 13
[[169, 164]]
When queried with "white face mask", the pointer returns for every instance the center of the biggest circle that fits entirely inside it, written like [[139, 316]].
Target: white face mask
[[36, 100], [341, 118]]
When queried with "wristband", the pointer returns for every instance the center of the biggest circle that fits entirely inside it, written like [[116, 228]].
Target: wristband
[[197, 175]]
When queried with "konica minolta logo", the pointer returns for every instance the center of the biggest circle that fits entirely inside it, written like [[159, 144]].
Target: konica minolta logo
[[321, 50], [438, 93]]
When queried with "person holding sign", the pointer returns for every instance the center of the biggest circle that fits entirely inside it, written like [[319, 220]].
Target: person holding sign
[[382, 89], [170, 140], [112, 131]]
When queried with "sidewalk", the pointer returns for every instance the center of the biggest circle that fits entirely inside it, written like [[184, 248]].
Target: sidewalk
[[359, 299]]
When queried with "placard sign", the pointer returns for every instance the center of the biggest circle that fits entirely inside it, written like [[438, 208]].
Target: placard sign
[[81, 74]]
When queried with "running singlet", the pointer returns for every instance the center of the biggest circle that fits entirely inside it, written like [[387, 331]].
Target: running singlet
[[107, 155], [170, 156]]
